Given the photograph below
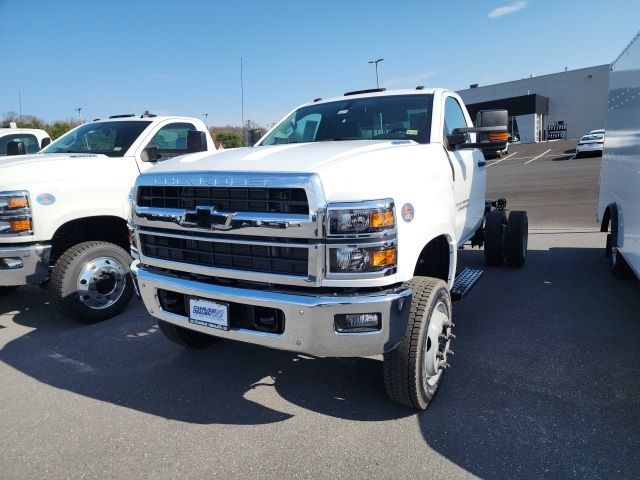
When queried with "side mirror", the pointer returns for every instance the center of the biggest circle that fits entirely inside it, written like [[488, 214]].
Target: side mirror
[[457, 139], [491, 132], [150, 154], [492, 118], [15, 147], [196, 141], [45, 142], [254, 136]]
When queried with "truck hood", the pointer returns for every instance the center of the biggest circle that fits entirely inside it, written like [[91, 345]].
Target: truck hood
[[36, 158], [291, 158], [373, 168], [25, 170]]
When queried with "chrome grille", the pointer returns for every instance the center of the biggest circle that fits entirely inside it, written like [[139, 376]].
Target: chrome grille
[[285, 260], [235, 199]]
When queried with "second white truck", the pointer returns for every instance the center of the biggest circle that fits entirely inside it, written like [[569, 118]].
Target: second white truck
[[336, 235], [63, 211]]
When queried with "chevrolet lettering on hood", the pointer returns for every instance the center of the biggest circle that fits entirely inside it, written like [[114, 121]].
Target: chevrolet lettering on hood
[[212, 181]]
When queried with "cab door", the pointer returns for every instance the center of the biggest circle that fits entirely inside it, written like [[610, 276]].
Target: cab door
[[470, 173], [169, 140]]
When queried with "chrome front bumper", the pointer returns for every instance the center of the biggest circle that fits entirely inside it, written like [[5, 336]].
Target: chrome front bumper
[[28, 265], [309, 319]]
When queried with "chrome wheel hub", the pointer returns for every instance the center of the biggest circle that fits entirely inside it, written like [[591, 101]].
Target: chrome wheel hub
[[439, 335], [101, 282]]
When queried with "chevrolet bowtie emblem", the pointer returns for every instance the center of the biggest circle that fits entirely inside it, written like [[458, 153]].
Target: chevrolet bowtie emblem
[[208, 217]]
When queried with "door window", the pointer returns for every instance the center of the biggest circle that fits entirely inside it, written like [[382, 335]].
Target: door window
[[30, 142], [171, 140], [453, 115]]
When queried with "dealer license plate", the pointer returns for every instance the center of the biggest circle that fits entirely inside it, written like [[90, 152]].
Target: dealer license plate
[[209, 314]]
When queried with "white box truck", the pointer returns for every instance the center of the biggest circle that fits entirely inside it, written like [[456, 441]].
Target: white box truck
[[619, 199]]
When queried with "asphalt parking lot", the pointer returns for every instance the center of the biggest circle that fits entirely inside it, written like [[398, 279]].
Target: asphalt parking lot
[[545, 381]]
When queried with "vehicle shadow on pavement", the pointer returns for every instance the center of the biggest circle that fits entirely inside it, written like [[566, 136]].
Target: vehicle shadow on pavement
[[545, 382], [128, 362]]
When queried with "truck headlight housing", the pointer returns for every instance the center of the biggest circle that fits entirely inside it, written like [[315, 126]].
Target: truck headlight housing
[[15, 213], [361, 218], [362, 259]]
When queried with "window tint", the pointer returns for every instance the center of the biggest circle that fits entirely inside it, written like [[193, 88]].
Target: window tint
[[30, 142], [388, 117], [171, 140], [453, 116], [108, 138]]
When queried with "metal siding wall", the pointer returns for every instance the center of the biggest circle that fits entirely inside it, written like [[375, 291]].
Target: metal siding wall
[[574, 98]]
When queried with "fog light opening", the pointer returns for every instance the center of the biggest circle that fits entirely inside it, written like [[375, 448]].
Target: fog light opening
[[11, 263], [357, 322]]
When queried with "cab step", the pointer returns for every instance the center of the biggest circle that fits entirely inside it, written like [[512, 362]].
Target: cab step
[[464, 283]]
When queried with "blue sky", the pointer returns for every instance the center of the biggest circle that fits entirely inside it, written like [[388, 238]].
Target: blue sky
[[183, 58]]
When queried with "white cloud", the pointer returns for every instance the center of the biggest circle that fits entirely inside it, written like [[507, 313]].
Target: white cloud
[[409, 80], [507, 9]]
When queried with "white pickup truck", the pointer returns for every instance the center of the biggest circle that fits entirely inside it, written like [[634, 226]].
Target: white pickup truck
[[63, 211], [20, 141], [337, 234]]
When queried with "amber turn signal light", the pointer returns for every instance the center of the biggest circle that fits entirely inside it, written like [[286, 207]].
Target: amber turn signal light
[[498, 136], [384, 258], [20, 225], [384, 219], [17, 202]]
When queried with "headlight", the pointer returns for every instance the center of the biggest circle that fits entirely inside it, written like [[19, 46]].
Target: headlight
[[15, 213], [360, 259], [361, 218]]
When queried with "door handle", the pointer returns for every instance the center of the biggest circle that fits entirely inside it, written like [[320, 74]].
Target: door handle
[[482, 163]]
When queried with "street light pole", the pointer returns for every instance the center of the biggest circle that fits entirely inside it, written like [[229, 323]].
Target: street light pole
[[79, 109], [206, 119], [376, 64]]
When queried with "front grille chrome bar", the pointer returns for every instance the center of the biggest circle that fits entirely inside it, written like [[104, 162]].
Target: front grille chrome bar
[[206, 219], [205, 223]]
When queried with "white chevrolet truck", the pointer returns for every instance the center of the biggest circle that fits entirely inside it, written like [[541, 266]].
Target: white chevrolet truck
[[337, 234], [63, 211]]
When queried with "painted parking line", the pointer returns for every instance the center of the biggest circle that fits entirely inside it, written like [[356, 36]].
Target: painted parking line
[[535, 158], [503, 159]]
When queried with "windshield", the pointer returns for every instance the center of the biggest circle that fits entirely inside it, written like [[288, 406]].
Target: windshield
[[108, 138], [371, 118], [588, 138]]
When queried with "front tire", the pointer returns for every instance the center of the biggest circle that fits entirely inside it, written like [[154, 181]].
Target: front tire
[[92, 281], [413, 370], [185, 337]]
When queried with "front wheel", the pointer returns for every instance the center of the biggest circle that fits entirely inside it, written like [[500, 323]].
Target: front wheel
[[92, 281], [413, 370]]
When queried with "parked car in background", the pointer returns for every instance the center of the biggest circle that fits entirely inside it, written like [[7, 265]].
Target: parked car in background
[[599, 130], [32, 140], [590, 144]]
